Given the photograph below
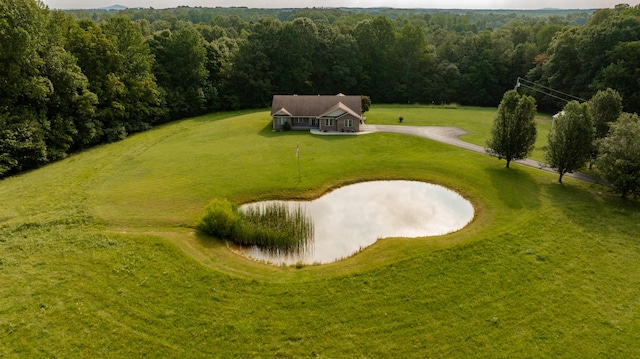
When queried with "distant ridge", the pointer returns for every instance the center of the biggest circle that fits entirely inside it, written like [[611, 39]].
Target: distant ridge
[[114, 8]]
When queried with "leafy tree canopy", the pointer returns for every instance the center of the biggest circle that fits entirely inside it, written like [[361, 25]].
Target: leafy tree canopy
[[619, 155], [570, 140], [513, 134], [605, 107]]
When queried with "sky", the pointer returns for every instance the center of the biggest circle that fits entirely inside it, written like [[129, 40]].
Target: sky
[[427, 4]]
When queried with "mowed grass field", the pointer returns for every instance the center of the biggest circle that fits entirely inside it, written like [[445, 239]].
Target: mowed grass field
[[476, 120], [98, 256]]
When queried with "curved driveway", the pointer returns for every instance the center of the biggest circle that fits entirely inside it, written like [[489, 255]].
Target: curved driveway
[[450, 135]]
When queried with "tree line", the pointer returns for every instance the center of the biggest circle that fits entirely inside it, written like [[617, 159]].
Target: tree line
[[71, 80], [595, 132]]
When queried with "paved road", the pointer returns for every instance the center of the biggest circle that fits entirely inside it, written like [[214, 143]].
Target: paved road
[[450, 135]]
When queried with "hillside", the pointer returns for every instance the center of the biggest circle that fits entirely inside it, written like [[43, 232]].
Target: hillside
[[98, 256]]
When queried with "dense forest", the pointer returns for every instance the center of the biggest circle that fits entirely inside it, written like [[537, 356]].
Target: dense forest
[[71, 80]]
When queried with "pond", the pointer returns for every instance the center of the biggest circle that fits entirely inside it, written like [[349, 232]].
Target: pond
[[354, 217]]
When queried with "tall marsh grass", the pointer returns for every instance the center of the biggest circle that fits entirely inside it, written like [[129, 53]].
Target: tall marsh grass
[[274, 226], [271, 226]]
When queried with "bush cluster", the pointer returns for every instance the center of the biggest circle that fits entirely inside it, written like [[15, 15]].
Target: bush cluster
[[272, 226], [220, 218]]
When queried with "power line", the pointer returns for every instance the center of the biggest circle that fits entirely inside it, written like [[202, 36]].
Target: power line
[[551, 89], [532, 85], [548, 94]]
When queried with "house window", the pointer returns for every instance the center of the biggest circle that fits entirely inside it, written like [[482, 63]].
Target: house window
[[281, 120], [348, 122], [298, 120], [328, 122], [314, 122]]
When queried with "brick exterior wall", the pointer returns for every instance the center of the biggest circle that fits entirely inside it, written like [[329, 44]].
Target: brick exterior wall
[[301, 112], [338, 125]]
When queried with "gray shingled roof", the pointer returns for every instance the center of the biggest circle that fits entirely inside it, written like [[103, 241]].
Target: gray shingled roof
[[313, 105]]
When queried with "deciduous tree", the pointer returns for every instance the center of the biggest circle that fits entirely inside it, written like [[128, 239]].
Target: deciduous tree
[[181, 70], [294, 66], [619, 155], [251, 78], [117, 62], [563, 65], [376, 39], [140, 96], [413, 65], [622, 73], [366, 103], [71, 105], [605, 107], [43, 93], [570, 140], [514, 129]]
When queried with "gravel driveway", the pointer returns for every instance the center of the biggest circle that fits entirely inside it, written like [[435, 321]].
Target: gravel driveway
[[450, 135]]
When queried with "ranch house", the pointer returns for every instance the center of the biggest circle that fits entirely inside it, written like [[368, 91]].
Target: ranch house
[[339, 113]]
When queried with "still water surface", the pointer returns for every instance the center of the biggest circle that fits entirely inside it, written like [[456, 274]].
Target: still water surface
[[354, 217]]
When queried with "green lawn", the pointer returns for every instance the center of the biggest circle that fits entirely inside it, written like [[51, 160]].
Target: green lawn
[[476, 120], [98, 257]]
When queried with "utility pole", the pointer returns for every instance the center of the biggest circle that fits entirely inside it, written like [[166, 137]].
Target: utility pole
[[298, 156]]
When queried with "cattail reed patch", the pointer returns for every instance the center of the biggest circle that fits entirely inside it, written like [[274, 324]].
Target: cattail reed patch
[[272, 226]]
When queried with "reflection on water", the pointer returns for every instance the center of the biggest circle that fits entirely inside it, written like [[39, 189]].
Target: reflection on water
[[354, 217]]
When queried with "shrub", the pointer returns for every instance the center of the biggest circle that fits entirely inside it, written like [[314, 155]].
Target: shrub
[[272, 226], [219, 219], [286, 126]]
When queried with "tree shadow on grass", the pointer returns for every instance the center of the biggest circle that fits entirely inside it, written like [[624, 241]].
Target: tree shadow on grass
[[203, 247], [207, 241], [217, 116], [596, 210], [267, 131], [339, 137], [516, 188]]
